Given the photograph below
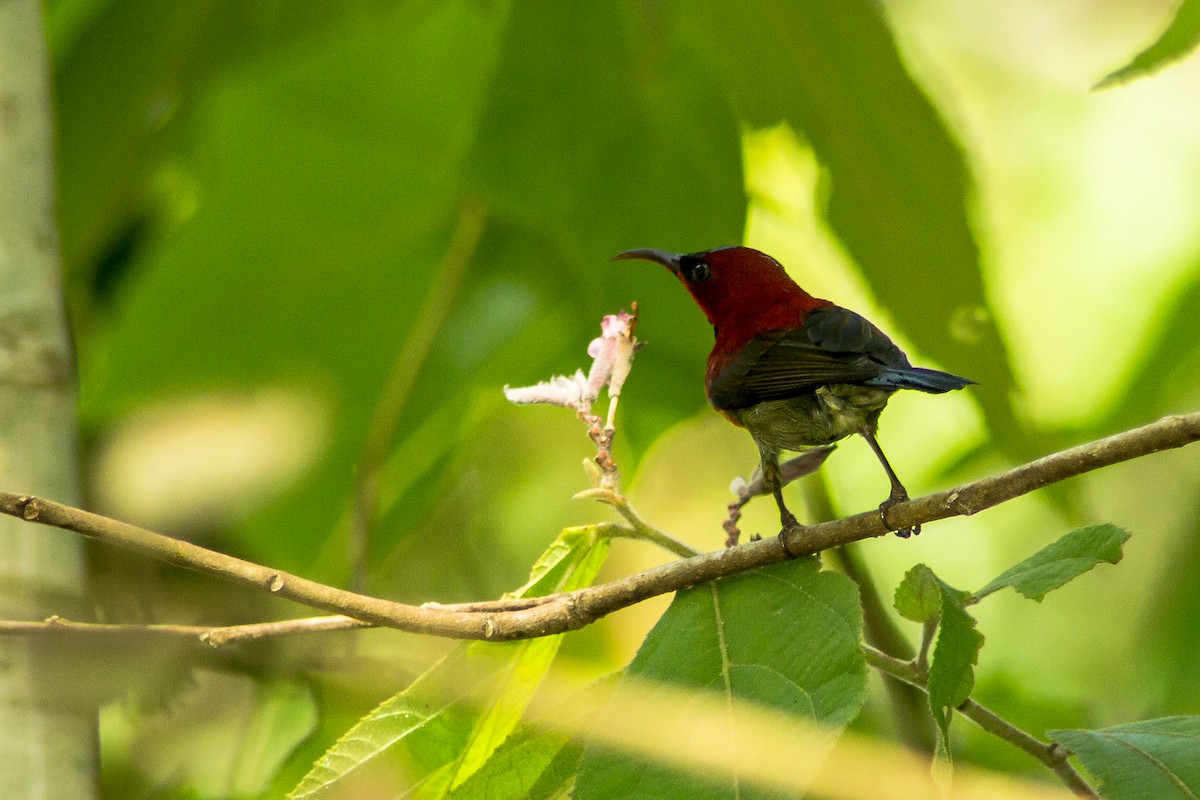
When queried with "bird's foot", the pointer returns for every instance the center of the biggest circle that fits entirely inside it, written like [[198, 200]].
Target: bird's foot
[[901, 497], [788, 534]]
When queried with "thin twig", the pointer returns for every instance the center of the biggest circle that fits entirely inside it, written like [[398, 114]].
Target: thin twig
[[1050, 754], [638, 527], [214, 636], [576, 609]]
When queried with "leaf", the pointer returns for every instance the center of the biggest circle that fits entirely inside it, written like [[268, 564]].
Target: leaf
[[1163, 379], [923, 597], [952, 668], [1158, 759], [570, 562], [530, 765], [1179, 39], [646, 153], [618, 110], [1061, 562], [428, 716], [919, 595], [786, 637], [296, 193]]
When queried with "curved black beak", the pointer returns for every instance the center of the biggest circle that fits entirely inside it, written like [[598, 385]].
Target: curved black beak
[[668, 260]]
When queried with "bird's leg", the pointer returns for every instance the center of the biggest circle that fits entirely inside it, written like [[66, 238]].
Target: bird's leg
[[898, 494], [773, 481], [804, 464]]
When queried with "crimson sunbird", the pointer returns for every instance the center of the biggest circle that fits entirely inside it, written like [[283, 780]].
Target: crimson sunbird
[[794, 370]]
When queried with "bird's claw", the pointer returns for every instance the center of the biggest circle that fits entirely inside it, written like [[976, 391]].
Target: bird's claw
[[789, 525], [903, 533]]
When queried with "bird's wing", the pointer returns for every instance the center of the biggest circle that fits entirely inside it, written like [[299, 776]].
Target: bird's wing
[[840, 330], [834, 346]]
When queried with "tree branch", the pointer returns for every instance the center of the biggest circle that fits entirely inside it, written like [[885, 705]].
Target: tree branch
[[517, 619], [1050, 754]]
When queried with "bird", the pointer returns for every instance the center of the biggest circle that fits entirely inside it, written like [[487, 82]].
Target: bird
[[795, 371]]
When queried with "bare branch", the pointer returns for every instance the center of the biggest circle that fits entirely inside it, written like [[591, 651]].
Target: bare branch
[[506, 620], [218, 636]]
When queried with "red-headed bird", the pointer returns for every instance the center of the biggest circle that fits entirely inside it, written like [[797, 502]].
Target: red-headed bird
[[794, 370]]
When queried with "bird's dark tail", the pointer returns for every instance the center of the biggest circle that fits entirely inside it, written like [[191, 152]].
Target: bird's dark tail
[[923, 380]]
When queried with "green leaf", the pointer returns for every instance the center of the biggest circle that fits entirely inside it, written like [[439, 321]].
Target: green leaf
[[570, 562], [923, 597], [632, 123], [952, 668], [530, 765], [292, 140], [919, 595], [786, 637], [647, 153], [429, 718], [1158, 759], [1057, 564], [1179, 39]]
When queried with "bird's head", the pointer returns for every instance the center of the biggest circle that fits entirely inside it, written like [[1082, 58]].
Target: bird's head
[[728, 282]]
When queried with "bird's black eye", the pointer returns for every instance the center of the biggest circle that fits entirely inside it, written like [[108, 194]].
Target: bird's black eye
[[695, 269]]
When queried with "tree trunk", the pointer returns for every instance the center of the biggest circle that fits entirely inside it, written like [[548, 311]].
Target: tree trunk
[[47, 741]]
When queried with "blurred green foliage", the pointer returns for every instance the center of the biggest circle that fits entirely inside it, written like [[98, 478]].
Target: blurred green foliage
[[257, 196]]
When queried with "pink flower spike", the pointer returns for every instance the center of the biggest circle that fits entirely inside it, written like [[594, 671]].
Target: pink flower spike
[[615, 325], [611, 353]]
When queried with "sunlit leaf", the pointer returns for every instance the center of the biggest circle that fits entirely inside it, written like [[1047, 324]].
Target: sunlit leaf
[[1060, 562], [528, 766], [1158, 759], [1163, 378], [786, 637], [430, 717], [1179, 39]]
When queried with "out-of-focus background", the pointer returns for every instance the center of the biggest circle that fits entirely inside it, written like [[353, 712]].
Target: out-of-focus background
[[304, 238]]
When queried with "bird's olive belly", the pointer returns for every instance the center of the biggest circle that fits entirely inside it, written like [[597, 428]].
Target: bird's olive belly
[[811, 420]]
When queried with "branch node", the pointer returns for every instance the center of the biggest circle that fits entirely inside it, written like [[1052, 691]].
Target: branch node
[[577, 617], [29, 507], [955, 503], [1057, 754], [275, 582]]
